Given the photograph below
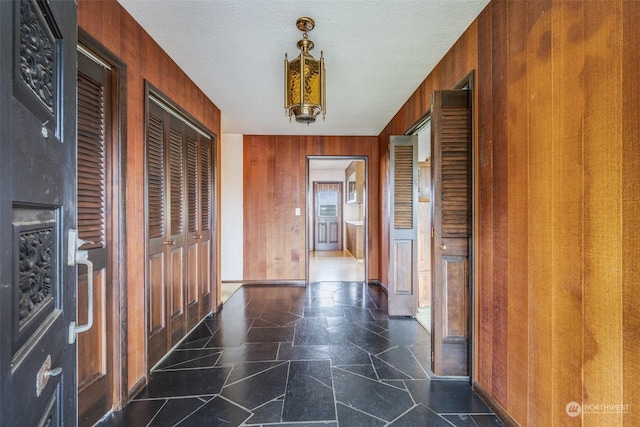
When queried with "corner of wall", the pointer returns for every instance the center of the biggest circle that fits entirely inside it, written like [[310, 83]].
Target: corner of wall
[[232, 207]]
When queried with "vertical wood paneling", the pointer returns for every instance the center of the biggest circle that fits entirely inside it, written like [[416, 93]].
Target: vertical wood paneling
[[517, 212], [484, 204], [631, 209], [115, 29], [275, 184], [567, 201], [500, 141], [539, 216], [602, 210]]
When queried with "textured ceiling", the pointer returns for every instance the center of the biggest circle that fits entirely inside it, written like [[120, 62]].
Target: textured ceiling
[[376, 52]]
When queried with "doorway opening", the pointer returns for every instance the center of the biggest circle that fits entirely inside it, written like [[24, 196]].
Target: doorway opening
[[423, 133], [336, 220], [445, 228]]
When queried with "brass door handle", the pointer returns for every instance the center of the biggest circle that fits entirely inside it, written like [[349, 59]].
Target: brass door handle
[[170, 242], [443, 246], [197, 236]]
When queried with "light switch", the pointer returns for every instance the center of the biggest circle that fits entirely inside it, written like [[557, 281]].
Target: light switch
[[297, 211]]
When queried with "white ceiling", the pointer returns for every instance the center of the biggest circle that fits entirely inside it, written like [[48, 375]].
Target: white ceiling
[[377, 52]]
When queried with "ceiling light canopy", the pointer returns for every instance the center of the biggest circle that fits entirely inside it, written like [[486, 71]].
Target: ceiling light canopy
[[304, 80]]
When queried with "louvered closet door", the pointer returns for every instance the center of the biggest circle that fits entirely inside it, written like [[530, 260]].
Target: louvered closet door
[[198, 248], [179, 195], [451, 178], [403, 251], [193, 235], [157, 234], [177, 219], [205, 220], [94, 358]]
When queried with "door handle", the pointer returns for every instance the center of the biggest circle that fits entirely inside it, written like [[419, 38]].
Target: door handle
[[170, 242], [76, 256], [443, 247]]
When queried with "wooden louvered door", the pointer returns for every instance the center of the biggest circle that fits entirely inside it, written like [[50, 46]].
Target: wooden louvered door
[[179, 197], [176, 221], [451, 221], [94, 118], [403, 251], [157, 234], [198, 235], [193, 235], [205, 221]]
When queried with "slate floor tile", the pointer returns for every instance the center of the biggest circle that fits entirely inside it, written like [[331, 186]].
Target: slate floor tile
[[248, 352], [189, 359], [304, 352], [348, 416], [446, 397], [372, 397], [189, 382], [216, 412], [281, 334], [136, 413], [403, 360], [258, 388], [420, 415], [309, 395], [176, 410], [323, 355]]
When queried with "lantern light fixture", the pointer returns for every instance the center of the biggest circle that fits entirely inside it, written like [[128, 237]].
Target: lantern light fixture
[[304, 80]]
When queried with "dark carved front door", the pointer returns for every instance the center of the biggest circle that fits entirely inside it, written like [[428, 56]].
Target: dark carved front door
[[37, 209]]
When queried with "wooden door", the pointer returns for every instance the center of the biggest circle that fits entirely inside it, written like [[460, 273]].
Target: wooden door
[[95, 359], [175, 220], [403, 251], [166, 213], [451, 221], [327, 216], [157, 234], [37, 212], [206, 150], [193, 247], [198, 246]]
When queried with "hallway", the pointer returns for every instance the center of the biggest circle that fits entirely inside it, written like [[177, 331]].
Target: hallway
[[327, 354], [334, 266]]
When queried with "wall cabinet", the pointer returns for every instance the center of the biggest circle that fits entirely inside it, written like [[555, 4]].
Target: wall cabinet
[[354, 178]]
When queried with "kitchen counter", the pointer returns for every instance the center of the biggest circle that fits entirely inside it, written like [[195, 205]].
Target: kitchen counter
[[355, 238]]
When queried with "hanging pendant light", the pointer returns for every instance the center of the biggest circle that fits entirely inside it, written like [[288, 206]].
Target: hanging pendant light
[[304, 80]]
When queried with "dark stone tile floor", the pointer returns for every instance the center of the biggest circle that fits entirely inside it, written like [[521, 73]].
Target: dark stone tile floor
[[322, 355]]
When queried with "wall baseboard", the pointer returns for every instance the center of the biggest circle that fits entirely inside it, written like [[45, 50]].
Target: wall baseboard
[[494, 406], [267, 282]]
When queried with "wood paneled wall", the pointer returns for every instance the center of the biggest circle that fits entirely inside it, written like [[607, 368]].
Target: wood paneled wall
[[557, 210], [108, 23], [275, 184]]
